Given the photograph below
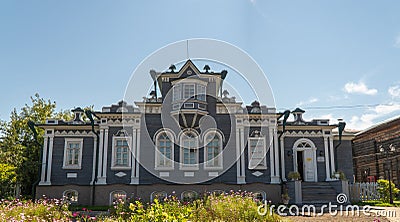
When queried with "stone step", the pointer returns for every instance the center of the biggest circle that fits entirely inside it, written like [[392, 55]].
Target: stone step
[[318, 193]]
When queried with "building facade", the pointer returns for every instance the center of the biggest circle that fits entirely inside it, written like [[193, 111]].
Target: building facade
[[191, 139], [370, 164]]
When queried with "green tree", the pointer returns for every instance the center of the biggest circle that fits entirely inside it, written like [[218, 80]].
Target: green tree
[[8, 178], [17, 146], [383, 190]]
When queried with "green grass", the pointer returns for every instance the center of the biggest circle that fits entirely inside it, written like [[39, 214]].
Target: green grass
[[379, 203]]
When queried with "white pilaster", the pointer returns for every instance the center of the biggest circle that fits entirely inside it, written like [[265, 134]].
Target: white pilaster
[[276, 178], [137, 152], [332, 153], [94, 157], [243, 163], [105, 149], [44, 157], [99, 167], [283, 157], [134, 179], [50, 160], [327, 171], [238, 159]]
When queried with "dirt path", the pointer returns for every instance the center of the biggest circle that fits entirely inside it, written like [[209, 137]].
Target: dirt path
[[341, 218]]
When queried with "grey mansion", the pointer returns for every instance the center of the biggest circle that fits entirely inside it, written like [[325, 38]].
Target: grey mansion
[[191, 139]]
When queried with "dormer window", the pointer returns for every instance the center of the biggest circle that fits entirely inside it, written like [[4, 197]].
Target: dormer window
[[201, 92], [188, 91]]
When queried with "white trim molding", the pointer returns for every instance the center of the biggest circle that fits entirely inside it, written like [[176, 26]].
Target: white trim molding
[[128, 140], [210, 142], [76, 163]]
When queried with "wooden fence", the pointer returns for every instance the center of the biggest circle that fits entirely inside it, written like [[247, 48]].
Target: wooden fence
[[363, 191]]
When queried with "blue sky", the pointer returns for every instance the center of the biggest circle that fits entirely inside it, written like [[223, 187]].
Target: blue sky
[[335, 59]]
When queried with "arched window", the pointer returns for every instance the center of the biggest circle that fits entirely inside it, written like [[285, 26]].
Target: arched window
[[217, 192], [189, 195], [259, 195], [304, 144], [164, 152], [213, 150], [160, 195], [189, 150], [117, 197], [71, 196]]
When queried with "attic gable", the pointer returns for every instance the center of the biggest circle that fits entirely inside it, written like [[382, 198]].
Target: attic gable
[[188, 69]]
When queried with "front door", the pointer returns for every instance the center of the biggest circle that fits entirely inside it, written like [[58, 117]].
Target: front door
[[308, 165]]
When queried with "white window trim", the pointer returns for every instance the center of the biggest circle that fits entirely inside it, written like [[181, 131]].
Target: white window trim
[[185, 85], [157, 153], [177, 92], [199, 92], [264, 160], [75, 166], [70, 190], [220, 155], [183, 166], [116, 191], [128, 167], [189, 191], [156, 192], [263, 194]]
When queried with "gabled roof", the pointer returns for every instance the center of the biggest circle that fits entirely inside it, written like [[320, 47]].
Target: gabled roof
[[380, 125], [193, 71]]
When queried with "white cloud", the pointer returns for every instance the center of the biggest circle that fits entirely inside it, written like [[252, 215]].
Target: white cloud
[[359, 88], [368, 119], [397, 42], [394, 91], [309, 101]]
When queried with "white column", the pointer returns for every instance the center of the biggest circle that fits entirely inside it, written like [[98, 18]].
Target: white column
[[101, 147], [271, 156], [276, 155], [327, 171], [332, 154], [315, 165], [283, 157], [134, 179], [49, 161], [105, 150], [94, 157], [295, 167], [238, 164], [137, 152], [44, 157], [243, 165]]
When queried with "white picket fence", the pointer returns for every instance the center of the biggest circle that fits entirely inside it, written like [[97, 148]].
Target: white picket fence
[[363, 191]]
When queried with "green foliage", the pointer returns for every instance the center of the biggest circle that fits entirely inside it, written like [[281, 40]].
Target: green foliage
[[42, 210], [8, 178], [383, 189], [18, 148], [294, 175], [235, 206]]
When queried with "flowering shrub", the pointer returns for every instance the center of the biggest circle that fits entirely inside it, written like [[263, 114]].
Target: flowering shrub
[[234, 206], [41, 210]]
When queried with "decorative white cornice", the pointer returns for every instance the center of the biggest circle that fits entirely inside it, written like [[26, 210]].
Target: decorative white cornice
[[303, 134], [80, 133]]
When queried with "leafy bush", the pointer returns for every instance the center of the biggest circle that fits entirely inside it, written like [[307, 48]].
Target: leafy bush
[[383, 189], [235, 206], [8, 178], [41, 210]]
